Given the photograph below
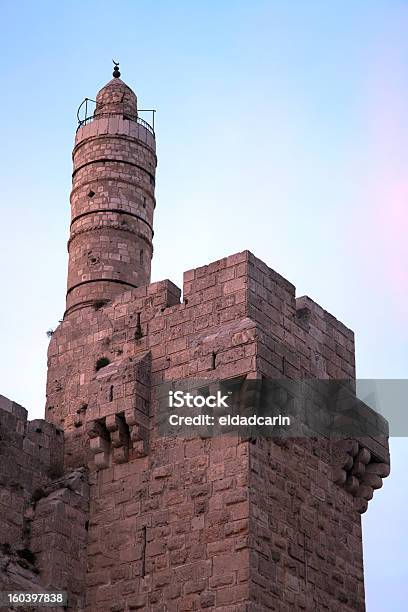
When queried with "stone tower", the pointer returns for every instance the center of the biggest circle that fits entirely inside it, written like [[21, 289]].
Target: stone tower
[[112, 200], [129, 519]]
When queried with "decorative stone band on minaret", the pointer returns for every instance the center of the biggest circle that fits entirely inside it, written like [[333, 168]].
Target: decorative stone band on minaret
[[112, 200]]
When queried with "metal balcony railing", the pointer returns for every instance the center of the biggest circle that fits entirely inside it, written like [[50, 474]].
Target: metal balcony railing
[[84, 118]]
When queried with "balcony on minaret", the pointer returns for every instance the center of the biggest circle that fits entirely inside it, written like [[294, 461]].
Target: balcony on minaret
[[115, 108]]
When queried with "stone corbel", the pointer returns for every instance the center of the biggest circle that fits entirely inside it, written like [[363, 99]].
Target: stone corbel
[[119, 434], [98, 444], [139, 433], [360, 469]]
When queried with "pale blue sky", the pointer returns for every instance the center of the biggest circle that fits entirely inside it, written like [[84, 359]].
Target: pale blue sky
[[281, 128]]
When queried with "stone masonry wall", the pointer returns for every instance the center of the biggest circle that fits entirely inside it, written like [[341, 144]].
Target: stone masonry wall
[[188, 524], [31, 455], [43, 526]]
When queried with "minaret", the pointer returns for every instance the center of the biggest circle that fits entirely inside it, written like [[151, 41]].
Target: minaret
[[112, 200]]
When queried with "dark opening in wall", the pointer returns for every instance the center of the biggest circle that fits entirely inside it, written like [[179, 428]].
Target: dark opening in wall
[[93, 259], [27, 554], [141, 257], [91, 193], [125, 430], [98, 304], [101, 363], [82, 409], [111, 394], [138, 330], [37, 495], [144, 542]]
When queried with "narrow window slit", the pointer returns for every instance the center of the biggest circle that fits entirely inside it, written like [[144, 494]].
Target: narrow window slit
[[143, 551], [138, 330]]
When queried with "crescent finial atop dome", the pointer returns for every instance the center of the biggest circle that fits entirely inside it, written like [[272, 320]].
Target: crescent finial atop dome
[[116, 72]]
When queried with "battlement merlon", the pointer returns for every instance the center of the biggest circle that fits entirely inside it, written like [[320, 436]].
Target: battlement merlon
[[324, 342], [39, 439]]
